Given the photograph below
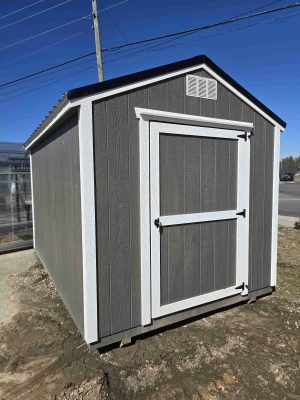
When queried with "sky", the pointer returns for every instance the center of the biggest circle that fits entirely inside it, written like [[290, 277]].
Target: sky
[[265, 58]]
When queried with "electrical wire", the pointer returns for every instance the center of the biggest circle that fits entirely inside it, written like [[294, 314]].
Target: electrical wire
[[40, 49], [92, 53], [21, 9], [48, 69], [34, 15], [196, 40], [230, 30], [59, 27], [34, 84], [121, 51], [259, 8], [40, 87], [29, 80], [203, 27]]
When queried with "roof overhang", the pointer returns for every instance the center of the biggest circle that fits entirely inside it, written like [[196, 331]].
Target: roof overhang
[[98, 91]]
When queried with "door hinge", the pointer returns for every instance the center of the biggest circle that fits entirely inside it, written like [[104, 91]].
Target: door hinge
[[243, 213], [246, 135], [158, 224], [243, 286]]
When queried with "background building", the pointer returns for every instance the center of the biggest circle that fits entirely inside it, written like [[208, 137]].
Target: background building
[[15, 198]]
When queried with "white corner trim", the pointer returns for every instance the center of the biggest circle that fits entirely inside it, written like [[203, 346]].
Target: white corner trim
[[145, 223], [32, 200], [275, 196], [87, 190], [166, 116]]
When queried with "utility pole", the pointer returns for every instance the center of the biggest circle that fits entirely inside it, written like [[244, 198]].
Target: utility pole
[[97, 41]]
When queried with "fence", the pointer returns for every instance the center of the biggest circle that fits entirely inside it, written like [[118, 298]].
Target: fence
[[15, 198]]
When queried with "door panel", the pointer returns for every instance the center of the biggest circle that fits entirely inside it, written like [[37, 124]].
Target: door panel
[[199, 194], [197, 174], [197, 259]]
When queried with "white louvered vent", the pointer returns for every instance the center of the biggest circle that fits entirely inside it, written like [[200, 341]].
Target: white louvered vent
[[197, 86]]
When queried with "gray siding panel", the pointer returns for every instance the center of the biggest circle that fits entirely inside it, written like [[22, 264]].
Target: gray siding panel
[[117, 190], [101, 154], [57, 213], [116, 146]]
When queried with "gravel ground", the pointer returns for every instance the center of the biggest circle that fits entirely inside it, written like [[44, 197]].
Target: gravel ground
[[246, 352]]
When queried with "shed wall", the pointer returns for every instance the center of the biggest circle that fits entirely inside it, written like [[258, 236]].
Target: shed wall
[[116, 145], [57, 212]]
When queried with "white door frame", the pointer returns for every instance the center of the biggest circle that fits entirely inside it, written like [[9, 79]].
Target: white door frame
[[145, 116]]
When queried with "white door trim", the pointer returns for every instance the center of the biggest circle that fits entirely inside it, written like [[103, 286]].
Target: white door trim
[[157, 128], [144, 116], [148, 114]]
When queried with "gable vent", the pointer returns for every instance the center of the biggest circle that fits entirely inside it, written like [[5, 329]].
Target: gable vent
[[197, 86]]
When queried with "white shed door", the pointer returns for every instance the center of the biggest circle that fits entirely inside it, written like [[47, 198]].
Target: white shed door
[[199, 189]]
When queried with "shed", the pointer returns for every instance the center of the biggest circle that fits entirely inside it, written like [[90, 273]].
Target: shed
[[155, 198]]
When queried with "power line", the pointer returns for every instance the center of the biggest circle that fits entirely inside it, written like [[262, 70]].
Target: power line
[[188, 34], [229, 31], [59, 74], [40, 49], [29, 80], [203, 27], [40, 87], [34, 15], [48, 69], [259, 8], [84, 56], [21, 9], [45, 32], [150, 48], [59, 27]]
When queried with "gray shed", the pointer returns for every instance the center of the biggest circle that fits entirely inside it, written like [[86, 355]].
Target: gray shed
[[155, 198]]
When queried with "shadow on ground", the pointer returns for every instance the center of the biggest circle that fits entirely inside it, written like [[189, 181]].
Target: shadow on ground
[[246, 352]]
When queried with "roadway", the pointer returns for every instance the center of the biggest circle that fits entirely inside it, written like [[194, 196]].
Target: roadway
[[289, 199]]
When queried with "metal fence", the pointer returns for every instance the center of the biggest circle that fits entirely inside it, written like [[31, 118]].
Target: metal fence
[[15, 198]]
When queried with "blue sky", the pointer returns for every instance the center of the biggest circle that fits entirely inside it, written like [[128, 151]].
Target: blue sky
[[265, 59]]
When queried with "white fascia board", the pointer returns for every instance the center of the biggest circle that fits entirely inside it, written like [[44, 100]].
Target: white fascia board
[[242, 97], [88, 222], [51, 123], [275, 196]]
